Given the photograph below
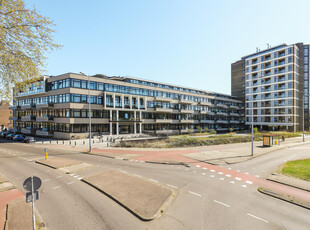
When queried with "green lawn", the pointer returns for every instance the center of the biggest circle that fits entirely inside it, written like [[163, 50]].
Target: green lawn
[[299, 169]]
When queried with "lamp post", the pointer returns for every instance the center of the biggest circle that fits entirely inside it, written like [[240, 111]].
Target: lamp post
[[89, 110], [252, 118], [303, 116]]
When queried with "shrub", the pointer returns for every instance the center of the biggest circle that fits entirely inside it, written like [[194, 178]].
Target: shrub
[[200, 129], [212, 131], [255, 130], [190, 131], [230, 130], [206, 129]]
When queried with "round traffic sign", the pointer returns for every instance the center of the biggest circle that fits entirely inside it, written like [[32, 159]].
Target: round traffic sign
[[36, 183]]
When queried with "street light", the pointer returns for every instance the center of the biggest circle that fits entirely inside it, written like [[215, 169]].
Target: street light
[[303, 116], [89, 115], [252, 118]]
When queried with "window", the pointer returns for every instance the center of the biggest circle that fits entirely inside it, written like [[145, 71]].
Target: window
[[290, 67], [263, 66], [92, 85], [275, 71], [100, 86], [290, 102], [84, 84], [262, 58], [290, 59], [290, 85], [275, 55], [76, 83], [290, 76], [76, 98], [289, 50], [275, 63], [275, 87], [290, 93]]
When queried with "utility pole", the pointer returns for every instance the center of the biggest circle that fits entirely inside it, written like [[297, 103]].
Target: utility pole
[[252, 118]]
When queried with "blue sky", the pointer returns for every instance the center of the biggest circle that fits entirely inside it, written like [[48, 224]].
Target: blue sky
[[189, 43]]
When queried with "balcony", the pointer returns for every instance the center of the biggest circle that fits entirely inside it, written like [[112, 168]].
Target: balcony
[[27, 118], [186, 102], [234, 122], [163, 99], [281, 54], [282, 71], [26, 106], [26, 131], [186, 111], [43, 133], [14, 107], [221, 105], [221, 113], [205, 103], [222, 121], [163, 110], [281, 62], [207, 121], [235, 114], [234, 107], [203, 111], [44, 105], [44, 118], [12, 118], [163, 120], [187, 121]]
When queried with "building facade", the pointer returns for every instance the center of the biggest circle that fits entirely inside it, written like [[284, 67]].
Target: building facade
[[57, 106], [275, 82], [6, 116]]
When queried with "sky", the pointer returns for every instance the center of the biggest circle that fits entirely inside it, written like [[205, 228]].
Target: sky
[[189, 43]]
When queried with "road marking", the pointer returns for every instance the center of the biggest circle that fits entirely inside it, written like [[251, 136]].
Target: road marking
[[186, 169], [229, 168], [137, 175], [257, 217], [244, 186], [17, 178], [257, 175], [56, 187], [237, 178], [203, 173], [249, 182], [222, 203], [198, 166], [196, 194], [80, 178], [228, 175], [238, 170], [246, 173], [130, 160], [141, 161], [212, 170], [156, 181], [59, 176], [122, 171], [232, 182], [172, 186], [45, 180], [194, 171], [220, 173], [205, 168], [221, 179], [71, 174], [76, 176], [211, 175], [136, 161], [71, 182]]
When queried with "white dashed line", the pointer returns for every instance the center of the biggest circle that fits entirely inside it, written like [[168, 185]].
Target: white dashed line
[[122, 171], [172, 186], [56, 187], [256, 217], [222, 203], [71, 174], [71, 182], [228, 175], [156, 181], [249, 182], [212, 170], [232, 182], [238, 170], [198, 166], [221, 179], [80, 178], [186, 169], [244, 186], [59, 176], [211, 175], [237, 178], [257, 175], [76, 176], [196, 194], [45, 180], [246, 173], [137, 175], [205, 168], [220, 173], [141, 161]]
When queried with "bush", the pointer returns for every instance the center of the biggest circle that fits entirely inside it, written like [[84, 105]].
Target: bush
[[206, 130], [190, 131], [200, 129], [255, 130], [230, 130], [212, 131]]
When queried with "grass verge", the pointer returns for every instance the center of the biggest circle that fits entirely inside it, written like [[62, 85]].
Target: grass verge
[[299, 169]]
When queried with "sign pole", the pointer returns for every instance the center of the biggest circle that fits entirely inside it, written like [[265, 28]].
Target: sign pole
[[33, 212]]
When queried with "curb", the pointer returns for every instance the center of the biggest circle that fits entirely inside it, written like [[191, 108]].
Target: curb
[[287, 184], [285, 197]]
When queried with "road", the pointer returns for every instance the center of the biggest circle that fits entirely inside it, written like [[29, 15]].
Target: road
[[205, 199]]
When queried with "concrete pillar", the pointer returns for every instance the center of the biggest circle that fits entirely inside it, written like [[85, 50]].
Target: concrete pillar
[[123, 101], [130, 101], [104, 99], [114, 100], [138, 102], [140, 123], [111, 124], [117, 123], [135, 123], [145, 104]]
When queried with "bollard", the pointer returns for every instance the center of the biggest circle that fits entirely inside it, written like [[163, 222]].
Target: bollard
[[75, 144], [46, 153], [57, 142], [83, 142], [70, 142], [63, 142]]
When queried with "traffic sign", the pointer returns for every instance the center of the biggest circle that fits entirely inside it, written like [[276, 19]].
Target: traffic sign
[[32, 197], [36, 183]]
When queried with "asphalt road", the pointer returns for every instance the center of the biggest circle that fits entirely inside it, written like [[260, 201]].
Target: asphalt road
[[204, 199]]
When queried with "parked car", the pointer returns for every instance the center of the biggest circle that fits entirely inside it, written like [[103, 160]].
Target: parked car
[[10, 136], [29, 140], [3, 134], [18, 137]]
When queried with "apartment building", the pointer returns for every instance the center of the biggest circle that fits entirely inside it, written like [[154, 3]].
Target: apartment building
[[57, 106], [6, 115], [275, 81]]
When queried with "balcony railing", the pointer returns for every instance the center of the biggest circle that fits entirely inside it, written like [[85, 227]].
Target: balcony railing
[[44, 105], [27, 118], [44, 118]]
